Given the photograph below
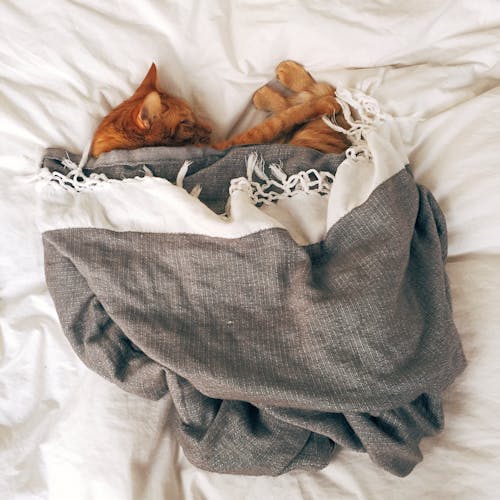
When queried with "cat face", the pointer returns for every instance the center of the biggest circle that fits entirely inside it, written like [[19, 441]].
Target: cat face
[[150, 117]]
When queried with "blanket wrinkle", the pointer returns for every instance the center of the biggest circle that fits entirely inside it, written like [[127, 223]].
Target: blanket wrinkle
[[301, 302], [264, 344]]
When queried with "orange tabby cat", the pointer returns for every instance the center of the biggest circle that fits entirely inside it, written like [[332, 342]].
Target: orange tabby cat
[[152, 117], [149, 118]]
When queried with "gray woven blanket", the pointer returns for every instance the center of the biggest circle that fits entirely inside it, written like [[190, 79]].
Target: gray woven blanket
[[309, 311]]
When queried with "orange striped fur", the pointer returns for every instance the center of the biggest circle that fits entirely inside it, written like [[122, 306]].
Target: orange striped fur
[[151, 117], [315, 134], [277, 125]]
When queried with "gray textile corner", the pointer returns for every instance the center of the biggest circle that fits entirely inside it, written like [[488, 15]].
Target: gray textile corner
[[271, 352]]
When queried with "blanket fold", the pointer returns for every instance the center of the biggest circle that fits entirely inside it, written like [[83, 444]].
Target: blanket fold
[[279, 325]]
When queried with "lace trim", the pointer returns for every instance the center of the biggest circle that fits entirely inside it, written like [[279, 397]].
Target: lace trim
[[266, 188], [369, 116], [76, 180], [263, 188]]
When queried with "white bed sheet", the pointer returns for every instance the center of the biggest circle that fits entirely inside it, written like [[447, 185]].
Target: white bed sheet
[[66, 433]]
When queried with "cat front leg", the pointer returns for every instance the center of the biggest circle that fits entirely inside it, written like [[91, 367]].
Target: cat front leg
[[282, 122], [269, 99]]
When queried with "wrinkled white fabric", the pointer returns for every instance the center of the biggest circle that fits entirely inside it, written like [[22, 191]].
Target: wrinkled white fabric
[[434, 65]]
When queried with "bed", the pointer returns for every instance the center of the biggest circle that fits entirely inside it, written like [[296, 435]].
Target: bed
[[65, 432]]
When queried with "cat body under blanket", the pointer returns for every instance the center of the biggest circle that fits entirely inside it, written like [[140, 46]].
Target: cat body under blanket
[[153, 117]]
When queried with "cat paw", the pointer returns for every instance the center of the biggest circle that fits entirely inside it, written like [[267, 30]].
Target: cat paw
[[294, 76], [327, 105], [268, 99]]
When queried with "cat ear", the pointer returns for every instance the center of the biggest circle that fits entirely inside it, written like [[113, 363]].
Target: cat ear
[[149, 82], [148, 111]]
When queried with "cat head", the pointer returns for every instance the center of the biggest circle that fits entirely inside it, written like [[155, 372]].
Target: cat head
[[150, 117]]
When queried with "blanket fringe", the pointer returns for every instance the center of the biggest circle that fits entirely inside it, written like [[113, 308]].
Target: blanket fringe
[[264, 188], [77, 180], [369, 116]]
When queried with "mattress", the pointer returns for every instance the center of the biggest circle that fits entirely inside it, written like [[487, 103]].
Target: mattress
[[65, 432]]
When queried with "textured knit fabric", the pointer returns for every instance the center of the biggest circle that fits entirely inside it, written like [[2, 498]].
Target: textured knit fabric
[[272, 352]]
